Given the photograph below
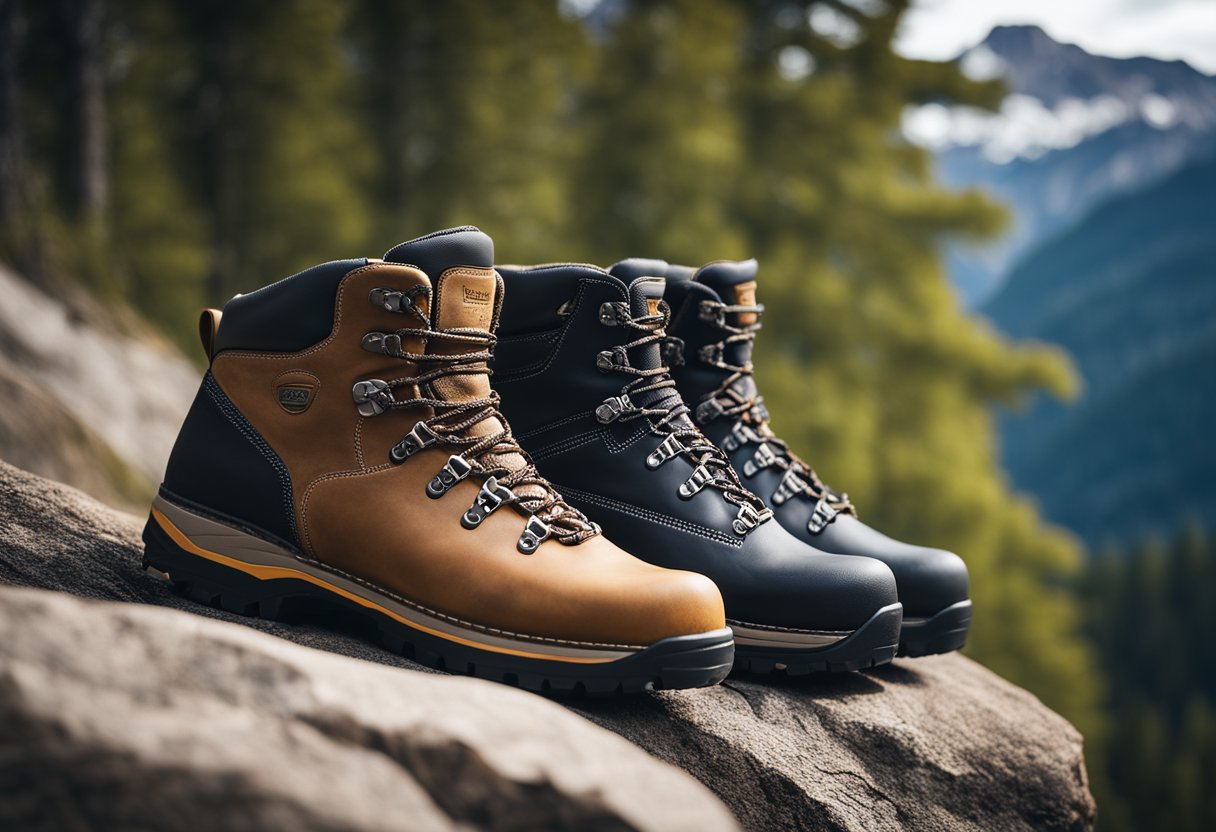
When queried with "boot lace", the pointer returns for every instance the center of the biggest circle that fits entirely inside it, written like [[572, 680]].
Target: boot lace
[[451, 426], [642, 398], [751, 418]]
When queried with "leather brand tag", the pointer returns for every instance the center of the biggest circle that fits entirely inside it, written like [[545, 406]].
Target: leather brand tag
[[745, 295], [294, 398]]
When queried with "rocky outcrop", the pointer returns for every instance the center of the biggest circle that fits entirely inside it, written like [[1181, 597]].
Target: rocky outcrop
[[81, 380], [929, 744], [121, 716]]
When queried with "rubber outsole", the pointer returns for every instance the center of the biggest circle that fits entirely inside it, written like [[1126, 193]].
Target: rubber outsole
[[944, 632], [680, 662], [873, 643]]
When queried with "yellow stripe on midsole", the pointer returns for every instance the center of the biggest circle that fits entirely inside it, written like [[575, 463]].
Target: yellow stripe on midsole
[[269, 573]]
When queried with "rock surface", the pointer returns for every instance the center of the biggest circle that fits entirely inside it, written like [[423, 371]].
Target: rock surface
[[929, 744], [87, 379], [125, 716]]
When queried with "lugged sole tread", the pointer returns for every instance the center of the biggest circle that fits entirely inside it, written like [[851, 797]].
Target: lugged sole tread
[[870, 645], [944, 632]]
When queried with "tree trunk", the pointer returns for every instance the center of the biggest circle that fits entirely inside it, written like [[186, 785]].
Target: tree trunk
[[90, 164], [12, 141]]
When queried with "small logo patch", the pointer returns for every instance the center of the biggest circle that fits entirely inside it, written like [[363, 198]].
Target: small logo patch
[[294, 398], [477, 297]]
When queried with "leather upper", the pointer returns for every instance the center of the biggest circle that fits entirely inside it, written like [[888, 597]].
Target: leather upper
[[546, 371], [357, 512], [929, 579]]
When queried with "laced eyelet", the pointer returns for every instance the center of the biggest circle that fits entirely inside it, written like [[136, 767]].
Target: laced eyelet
[[707, 411], [381, 342], [612, 359], [739, 436], [613, 407], [614, 313], [821, 517], [372, 397], [491, 496], [711, 354], [763, 458], [712, 311], [667, 449], [700, 477], [420, 436], [791, 484], [393, 300], [673, 351], [749, 518], [453, 471], [535, 533]]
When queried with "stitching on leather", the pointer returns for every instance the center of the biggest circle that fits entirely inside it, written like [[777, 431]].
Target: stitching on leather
[[639, 433], [471, 625], [568, 444], [288, 356], [528, 372], [249, 432], [359, 443], [337, 475], [554, 425], [776, 629], [652, 516]]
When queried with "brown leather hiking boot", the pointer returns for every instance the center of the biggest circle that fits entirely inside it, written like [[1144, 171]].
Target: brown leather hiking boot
[[345, 446]]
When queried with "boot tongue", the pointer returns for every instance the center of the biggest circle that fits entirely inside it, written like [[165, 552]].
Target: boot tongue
[[735, 283], [459, 262], [646, 285]]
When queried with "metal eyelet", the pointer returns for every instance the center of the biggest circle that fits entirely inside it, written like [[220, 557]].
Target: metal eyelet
[[712, 354], [535, 533], [700, 477], [712, 311], [613, 407], [739, 436], [668, 448], [613, 313], [748, 518], [612, 359], [707, 411], [821, 517], [491, 496], [790, 485], [392, 300], [763, 458], [453, 471], [372, 397], [420, 436], [673, 351], [381, 342]]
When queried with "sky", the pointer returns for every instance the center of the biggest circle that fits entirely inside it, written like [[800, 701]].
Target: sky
[[1166, 29]]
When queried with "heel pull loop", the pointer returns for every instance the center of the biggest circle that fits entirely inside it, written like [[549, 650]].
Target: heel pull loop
[[208, 328]]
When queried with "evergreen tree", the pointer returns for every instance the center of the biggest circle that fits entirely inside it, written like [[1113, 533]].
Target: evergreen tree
[[469, 104], [1150, 616]]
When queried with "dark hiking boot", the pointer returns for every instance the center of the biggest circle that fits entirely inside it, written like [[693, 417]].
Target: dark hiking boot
[[579, 367], [346, 448], [714, 321]]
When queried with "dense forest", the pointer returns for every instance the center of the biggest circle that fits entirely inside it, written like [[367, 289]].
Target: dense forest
[[170, 155]]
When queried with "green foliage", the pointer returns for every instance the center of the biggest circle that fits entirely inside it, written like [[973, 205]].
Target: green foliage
[[1150, 615]]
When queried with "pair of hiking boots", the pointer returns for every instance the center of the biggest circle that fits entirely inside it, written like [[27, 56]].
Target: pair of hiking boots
[[346, 448]]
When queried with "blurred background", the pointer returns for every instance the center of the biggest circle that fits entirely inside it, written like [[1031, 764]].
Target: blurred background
[[986, 231]]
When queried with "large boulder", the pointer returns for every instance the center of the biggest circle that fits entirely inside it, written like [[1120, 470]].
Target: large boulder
[[91, 394], [929, 744]]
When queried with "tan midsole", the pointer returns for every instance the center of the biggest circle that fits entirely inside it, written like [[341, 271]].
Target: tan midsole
[[236, 549], [755, 637]]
